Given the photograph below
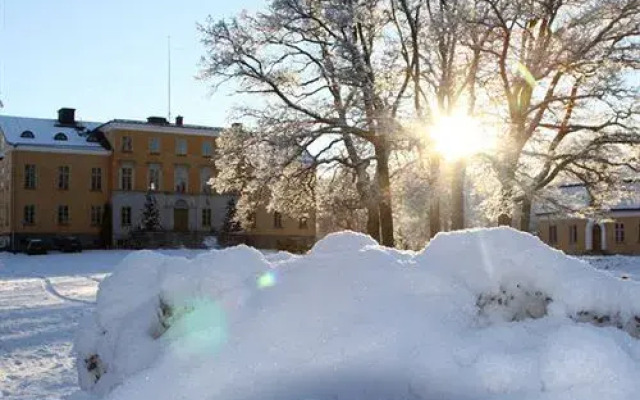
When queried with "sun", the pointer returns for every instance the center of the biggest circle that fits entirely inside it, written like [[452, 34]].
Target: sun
[[459, 136]]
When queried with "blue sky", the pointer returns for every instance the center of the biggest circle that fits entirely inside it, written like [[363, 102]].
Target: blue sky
[[108, 59]]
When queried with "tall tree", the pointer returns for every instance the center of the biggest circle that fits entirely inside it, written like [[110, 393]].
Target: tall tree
[[323, 68], [563, 79]]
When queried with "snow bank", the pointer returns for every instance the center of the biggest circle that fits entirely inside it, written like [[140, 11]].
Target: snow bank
[[482, 314]]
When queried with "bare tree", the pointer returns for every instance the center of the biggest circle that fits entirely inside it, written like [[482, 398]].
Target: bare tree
[[324, 70], [562, 68]]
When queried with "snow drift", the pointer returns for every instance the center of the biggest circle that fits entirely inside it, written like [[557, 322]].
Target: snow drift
[[481, 314]]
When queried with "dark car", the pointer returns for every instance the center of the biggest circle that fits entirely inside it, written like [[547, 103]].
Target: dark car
[[36, 246], [67, 244]]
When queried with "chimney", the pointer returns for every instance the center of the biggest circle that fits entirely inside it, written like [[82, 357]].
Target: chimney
[[157, 120], [67, 116], [179, 120]]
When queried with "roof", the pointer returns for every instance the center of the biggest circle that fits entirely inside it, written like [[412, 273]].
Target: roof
[[186, 129], [577, 197], [44, 132]]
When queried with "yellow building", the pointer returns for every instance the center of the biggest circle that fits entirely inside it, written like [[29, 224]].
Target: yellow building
[[60, 176], [615, 231]]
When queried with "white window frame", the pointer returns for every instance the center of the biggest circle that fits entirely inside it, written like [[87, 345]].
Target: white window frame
[[29, 214], [121, 178], [206, 174], [126, 144], [176, 184], [96, 179], [30, 176], [96, 215], [157, 168], [154, 142], [64, 177], [129, 219], [182, 148], [63, 211], [207, 148]]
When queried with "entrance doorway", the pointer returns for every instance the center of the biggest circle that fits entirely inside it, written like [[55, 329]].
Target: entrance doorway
[[596, 237], [181, 216]]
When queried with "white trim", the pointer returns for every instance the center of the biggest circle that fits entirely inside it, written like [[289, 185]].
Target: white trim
[[171, 129], [45, 149], [588, 235], [603, 236]]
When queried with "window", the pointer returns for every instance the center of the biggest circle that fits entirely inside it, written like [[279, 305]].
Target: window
[[63, 177], [155, 172], [60, 136], [96, 215], [27, 135], [96, 179], [553, 234], [207, 149], [206, 217], [126, 144], [126, 178], [181, 178], [619, 231], [573, 234], [277, 220], [29, 214], [205, 177], [303, 223], [30, 176], [125, 216], [154, 145], [63, 215], [181, 147]]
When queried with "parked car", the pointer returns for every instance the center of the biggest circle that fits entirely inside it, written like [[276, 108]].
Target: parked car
[[67, 244], [36, 246]]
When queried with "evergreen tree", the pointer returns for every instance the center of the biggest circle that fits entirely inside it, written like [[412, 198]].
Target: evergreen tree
[[151, 215], [230, 224]]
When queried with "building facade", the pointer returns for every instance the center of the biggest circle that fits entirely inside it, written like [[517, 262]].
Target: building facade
[[90, 180], [615, 231]]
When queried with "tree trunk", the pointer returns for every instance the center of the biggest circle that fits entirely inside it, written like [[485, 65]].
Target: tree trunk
[[384, 185], [434, 195], [373, 222], [525, 216], [457, 195]]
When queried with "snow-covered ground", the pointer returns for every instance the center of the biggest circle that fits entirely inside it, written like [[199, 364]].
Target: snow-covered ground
[[42, 298]]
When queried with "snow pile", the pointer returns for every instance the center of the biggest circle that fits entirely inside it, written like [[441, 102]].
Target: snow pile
[[483, 314]]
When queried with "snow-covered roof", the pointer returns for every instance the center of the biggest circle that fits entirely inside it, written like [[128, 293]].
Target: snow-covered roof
[[576, 197], [22, 131], [165, 127]]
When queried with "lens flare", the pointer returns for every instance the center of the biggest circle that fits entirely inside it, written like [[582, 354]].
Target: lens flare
[[266, 280], [202, 328]]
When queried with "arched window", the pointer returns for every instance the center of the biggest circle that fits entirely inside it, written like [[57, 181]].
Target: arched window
[[27, 135], [60, 136]]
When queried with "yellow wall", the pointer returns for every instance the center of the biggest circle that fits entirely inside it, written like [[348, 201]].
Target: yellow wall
[[290, 226], [5, 193], [46, 196], [141, 157], [631, 243], [563, 227]]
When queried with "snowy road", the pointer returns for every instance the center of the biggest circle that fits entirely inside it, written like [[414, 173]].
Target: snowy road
[[43, 297]]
